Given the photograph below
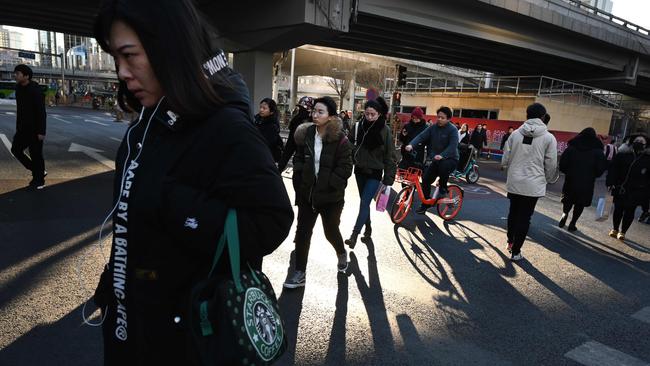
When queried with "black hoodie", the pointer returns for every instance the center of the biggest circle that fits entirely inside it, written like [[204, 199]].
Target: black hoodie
[[30, 109], [170, 212]]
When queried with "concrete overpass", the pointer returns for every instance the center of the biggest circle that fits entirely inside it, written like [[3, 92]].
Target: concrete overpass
[[507, 37]]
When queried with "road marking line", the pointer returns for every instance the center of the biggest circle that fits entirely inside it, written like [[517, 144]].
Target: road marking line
[[643, 315], [93, 153], [10, 113], [597, 354], [6, 141], [115, 139], [62, 120], [99, 123]]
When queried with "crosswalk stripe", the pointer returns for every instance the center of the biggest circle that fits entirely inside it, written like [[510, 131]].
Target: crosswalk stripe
[[597, 354], [5, 141], [62, 120], [99, 123], [643, 315], [116, 139]]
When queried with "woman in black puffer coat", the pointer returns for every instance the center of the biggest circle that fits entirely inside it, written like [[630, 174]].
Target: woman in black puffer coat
[[267, 122], [582, 162], [629, 181], [321, 168], [191, 157]]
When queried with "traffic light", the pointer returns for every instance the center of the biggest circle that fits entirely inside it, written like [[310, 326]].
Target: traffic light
[[401, 75], [397, 99]]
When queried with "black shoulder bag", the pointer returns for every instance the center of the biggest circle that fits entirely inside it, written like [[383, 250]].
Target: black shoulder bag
[[235, 320]]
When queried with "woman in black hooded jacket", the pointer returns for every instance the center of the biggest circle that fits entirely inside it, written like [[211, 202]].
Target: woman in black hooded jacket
[[628, 178], [582, 162], [192, 155], [268, 123]]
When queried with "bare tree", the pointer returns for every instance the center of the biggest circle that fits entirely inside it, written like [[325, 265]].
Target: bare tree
[[340, 72], [375, 77], [340, 86]]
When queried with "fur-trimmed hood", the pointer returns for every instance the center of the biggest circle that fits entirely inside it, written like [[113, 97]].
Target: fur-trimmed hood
[[333, 131]]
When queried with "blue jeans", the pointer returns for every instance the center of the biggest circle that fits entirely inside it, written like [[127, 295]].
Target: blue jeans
[[367, 189]]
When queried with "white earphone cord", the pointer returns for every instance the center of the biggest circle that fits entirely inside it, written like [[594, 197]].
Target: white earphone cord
[[82, 259]]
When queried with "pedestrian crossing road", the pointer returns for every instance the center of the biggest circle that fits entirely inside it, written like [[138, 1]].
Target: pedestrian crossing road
[[427, 292]]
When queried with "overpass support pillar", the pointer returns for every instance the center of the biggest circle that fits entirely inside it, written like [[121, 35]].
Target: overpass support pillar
[[256, 68]]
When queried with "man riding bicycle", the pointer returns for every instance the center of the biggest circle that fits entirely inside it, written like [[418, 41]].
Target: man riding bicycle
[[442, 153]]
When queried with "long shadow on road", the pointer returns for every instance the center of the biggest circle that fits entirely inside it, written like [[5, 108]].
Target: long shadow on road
[[444, 255], [42, 233]]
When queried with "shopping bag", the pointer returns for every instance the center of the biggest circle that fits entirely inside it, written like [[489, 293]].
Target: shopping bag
[[382, 198], [604, 207]]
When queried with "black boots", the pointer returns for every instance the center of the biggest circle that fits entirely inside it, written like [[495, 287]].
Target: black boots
[[352, 242]]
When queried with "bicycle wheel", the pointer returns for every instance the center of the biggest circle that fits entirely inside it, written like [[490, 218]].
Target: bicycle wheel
[[450, 206], [473, 175], [401, 205]]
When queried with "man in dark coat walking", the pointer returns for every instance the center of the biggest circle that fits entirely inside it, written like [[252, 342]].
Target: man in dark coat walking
[[582, 162], [30, 125]]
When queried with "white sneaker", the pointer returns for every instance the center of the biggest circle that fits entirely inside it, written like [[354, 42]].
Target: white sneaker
[[516, 257]]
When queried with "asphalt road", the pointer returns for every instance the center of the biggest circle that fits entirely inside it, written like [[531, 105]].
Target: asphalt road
[[427, 292]]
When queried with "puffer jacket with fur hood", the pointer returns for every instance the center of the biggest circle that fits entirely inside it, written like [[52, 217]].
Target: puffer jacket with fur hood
[[334, 169]]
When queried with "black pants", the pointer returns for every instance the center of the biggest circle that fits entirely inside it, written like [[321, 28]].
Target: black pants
[[34, 162], [645, 206], [577, 211], [521, 210], [625, 214], [331, 217], [438, 168]]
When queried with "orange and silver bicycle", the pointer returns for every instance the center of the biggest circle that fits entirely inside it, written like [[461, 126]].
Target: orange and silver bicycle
[[448, 206]]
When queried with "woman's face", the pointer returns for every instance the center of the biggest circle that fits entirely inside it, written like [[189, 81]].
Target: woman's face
[[319, 114], [265, 111], [463, 128], [371, 114], [133, 65]]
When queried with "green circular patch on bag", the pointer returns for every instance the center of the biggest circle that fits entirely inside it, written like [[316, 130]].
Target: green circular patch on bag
[[263, 324]]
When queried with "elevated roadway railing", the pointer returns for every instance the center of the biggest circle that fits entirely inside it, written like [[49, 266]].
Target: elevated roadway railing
[[542, 86]]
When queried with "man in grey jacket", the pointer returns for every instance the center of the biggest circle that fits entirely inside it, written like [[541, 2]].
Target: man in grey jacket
[[530, 155], [441, 140]]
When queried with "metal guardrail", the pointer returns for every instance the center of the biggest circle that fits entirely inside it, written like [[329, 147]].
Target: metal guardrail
[[543, 86], [611, 17]]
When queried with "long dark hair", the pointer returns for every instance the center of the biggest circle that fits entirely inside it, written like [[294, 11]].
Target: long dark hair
[[177, 40]]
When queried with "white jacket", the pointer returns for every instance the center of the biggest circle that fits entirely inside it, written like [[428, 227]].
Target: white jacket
[[530, 155]]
